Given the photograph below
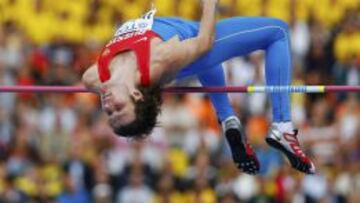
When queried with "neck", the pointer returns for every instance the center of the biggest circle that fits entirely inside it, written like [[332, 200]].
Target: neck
[[123, 69]]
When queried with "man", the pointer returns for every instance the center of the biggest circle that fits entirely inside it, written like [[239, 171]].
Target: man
[[148, 53]]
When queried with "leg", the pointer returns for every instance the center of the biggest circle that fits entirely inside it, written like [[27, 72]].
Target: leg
[[278, 72], [215, 77], [242, 154], [240, 36]]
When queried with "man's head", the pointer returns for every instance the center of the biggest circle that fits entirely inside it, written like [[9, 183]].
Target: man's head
[[132, 113]]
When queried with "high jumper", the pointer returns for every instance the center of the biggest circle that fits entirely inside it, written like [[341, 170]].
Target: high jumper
[[150, 52]]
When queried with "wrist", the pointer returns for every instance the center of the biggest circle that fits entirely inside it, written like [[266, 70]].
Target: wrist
[[209, 2], [209, 6]]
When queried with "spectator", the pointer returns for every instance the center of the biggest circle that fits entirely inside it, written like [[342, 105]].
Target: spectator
[[136, 191], [71, 193], [59, 148]]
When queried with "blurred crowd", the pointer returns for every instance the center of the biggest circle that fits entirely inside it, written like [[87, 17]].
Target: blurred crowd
[[59, 148]]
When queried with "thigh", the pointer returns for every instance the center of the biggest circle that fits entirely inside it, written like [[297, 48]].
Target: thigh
[[167, 27], [236, 37], [208, 75]]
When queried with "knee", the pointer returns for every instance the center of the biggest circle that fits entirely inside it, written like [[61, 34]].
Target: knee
[[280, 23], [282, 28]]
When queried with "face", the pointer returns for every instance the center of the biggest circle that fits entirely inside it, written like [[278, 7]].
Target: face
[[119, 104]]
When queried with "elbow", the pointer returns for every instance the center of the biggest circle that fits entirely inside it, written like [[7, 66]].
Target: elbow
[[87, 79], [206, 43], [90, 79], [210, 42]]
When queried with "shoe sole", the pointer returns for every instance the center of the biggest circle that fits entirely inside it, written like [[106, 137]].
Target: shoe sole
[[247, 163], [293, 159]]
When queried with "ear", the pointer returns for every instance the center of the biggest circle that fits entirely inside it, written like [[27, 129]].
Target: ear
[[137, 95]]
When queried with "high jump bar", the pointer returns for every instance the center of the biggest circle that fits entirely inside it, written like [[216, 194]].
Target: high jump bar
[[178, 90]]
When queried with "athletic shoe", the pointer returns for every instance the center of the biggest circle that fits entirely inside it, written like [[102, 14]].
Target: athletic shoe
[[288, 144], [242, 154]]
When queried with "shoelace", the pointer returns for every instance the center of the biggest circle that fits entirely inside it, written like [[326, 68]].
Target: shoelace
[[294, 144]]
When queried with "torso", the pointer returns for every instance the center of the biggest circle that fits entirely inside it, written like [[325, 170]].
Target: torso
[[131, 30], [156, 68]]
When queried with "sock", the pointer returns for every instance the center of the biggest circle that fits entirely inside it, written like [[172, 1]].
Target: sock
[[284, 126], [229, 118]]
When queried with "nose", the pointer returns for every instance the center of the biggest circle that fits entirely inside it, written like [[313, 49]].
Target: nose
[[118, 105]]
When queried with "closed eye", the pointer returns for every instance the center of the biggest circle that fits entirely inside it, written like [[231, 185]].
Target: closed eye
[[108, 112], [118, 106]]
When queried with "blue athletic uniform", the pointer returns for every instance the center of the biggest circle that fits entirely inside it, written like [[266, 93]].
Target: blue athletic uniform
[[236, 37]]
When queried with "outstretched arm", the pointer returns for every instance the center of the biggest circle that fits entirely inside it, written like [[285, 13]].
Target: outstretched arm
[[181, 53], [206, 34]]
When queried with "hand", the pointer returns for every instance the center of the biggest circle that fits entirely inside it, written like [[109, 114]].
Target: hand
[[209, 1]]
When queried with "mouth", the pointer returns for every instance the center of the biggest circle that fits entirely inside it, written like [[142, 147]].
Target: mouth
[[106, 100], [106, 95]]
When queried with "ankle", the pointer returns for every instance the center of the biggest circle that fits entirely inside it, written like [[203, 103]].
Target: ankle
[[230, 118], [230, 122], [286, 126]]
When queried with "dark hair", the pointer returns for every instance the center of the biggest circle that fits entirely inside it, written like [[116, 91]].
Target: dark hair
[[146, 112]]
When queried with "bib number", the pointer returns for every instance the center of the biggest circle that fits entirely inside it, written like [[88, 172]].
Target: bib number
[[139, 25]]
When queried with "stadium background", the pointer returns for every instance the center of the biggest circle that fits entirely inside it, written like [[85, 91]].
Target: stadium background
[[58, 148]]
